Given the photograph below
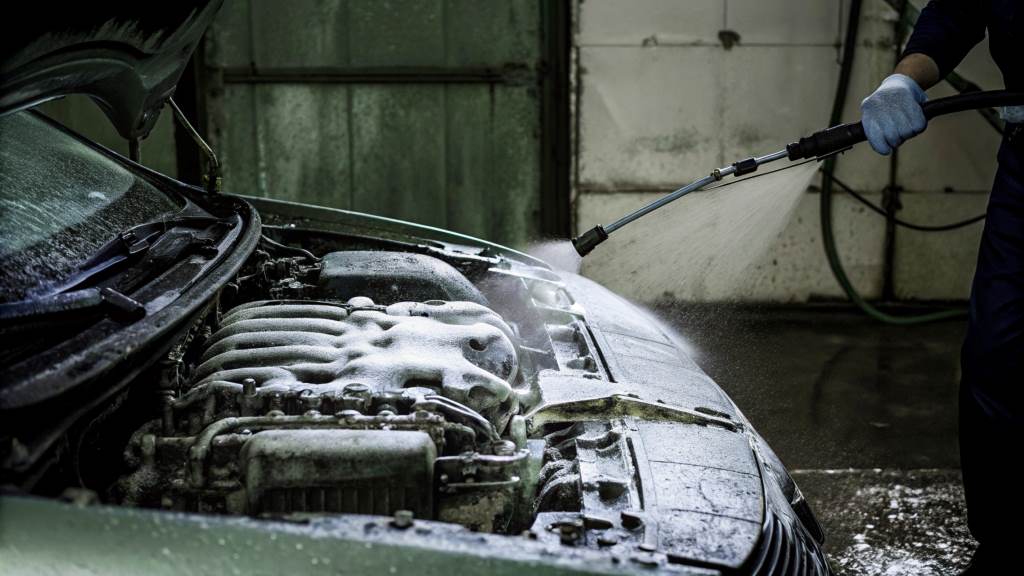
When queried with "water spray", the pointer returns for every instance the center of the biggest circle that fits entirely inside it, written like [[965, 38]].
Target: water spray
[[819, 145]]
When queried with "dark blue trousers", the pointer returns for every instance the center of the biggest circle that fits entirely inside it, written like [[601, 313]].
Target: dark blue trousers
[[992, 386]]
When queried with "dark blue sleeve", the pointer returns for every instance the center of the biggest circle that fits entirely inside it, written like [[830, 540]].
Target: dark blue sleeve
[[946, 31]]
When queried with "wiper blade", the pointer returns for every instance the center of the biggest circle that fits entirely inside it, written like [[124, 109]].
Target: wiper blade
[[79, 302], [130, 245]]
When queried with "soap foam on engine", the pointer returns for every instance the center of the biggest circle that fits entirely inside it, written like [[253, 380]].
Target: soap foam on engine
[[704, 246]]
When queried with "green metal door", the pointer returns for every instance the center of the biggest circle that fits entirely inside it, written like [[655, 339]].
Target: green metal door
[[424, 110]]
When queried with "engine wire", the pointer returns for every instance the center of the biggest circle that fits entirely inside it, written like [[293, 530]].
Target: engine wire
[[285, 248]]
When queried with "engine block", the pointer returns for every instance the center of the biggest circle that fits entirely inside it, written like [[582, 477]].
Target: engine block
[[317, 351], [328, 407]]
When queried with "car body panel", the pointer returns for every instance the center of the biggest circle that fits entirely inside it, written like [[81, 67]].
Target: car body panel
[[110, 540], [323, 218]]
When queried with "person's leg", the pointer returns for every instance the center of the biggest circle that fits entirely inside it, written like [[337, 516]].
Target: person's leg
[[992, 388]]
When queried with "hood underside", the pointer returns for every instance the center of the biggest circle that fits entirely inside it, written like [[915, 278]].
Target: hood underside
[[128, 57]]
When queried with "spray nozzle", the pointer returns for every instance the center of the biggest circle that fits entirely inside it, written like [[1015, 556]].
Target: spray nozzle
[[589, 240]]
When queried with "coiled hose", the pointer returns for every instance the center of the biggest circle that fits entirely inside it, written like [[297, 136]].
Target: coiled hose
[[969, 101]]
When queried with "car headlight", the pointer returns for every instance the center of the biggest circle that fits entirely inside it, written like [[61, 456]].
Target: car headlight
[[791, 536]]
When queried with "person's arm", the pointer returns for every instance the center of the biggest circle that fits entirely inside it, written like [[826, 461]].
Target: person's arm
[[945, 32], [920, 68]]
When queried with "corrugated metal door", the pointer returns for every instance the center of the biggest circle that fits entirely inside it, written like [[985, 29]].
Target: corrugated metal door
[[424, 110]]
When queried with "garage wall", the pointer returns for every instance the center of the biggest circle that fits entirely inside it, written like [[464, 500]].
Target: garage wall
[[423, 110], [662, 100]]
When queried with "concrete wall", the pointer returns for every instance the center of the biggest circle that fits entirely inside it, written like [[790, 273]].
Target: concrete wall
[[661, 101]]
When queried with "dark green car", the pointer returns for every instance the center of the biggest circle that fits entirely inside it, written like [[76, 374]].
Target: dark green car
[[194, 382]]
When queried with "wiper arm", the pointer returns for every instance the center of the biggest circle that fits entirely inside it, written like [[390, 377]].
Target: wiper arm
[[76, 298], [129, 245], [76, 303]]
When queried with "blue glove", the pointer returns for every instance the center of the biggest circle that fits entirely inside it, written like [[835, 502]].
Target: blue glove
[[892, 114]]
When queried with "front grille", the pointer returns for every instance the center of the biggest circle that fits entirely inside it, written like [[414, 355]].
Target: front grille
[[787, 550]]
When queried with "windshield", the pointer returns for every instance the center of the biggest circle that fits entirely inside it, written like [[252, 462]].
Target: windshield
[[60, 200]]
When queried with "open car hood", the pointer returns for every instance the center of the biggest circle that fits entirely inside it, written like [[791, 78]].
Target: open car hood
[[127, 57]]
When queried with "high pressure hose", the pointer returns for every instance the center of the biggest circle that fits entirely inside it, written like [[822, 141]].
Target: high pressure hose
[[824, 146]]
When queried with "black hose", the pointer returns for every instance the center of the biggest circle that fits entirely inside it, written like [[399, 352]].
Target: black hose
[[840, 137], [971, 101], [899, 222]]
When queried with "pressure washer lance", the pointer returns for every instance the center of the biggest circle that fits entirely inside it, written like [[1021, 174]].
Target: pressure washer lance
[[818, 145]]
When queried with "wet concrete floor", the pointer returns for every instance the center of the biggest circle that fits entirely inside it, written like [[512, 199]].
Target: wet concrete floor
[[862, 413]]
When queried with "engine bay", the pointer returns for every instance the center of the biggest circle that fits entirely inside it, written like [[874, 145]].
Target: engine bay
[[372, 383], [317, 387]]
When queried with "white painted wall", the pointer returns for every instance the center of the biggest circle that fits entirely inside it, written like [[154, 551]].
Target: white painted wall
[[662, 102]]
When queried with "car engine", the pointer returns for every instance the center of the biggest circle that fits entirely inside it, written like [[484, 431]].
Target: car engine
[[330, 402], [375, 384]]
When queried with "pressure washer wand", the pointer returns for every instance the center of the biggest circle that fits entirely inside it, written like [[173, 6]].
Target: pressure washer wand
[[587, 241], [818, 145]]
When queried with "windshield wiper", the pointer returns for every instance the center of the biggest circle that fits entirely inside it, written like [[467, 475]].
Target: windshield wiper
[[78, 297], [130, 246], [71, 304]]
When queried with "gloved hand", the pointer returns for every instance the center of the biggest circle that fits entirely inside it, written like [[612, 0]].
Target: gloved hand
[[892, 114]]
